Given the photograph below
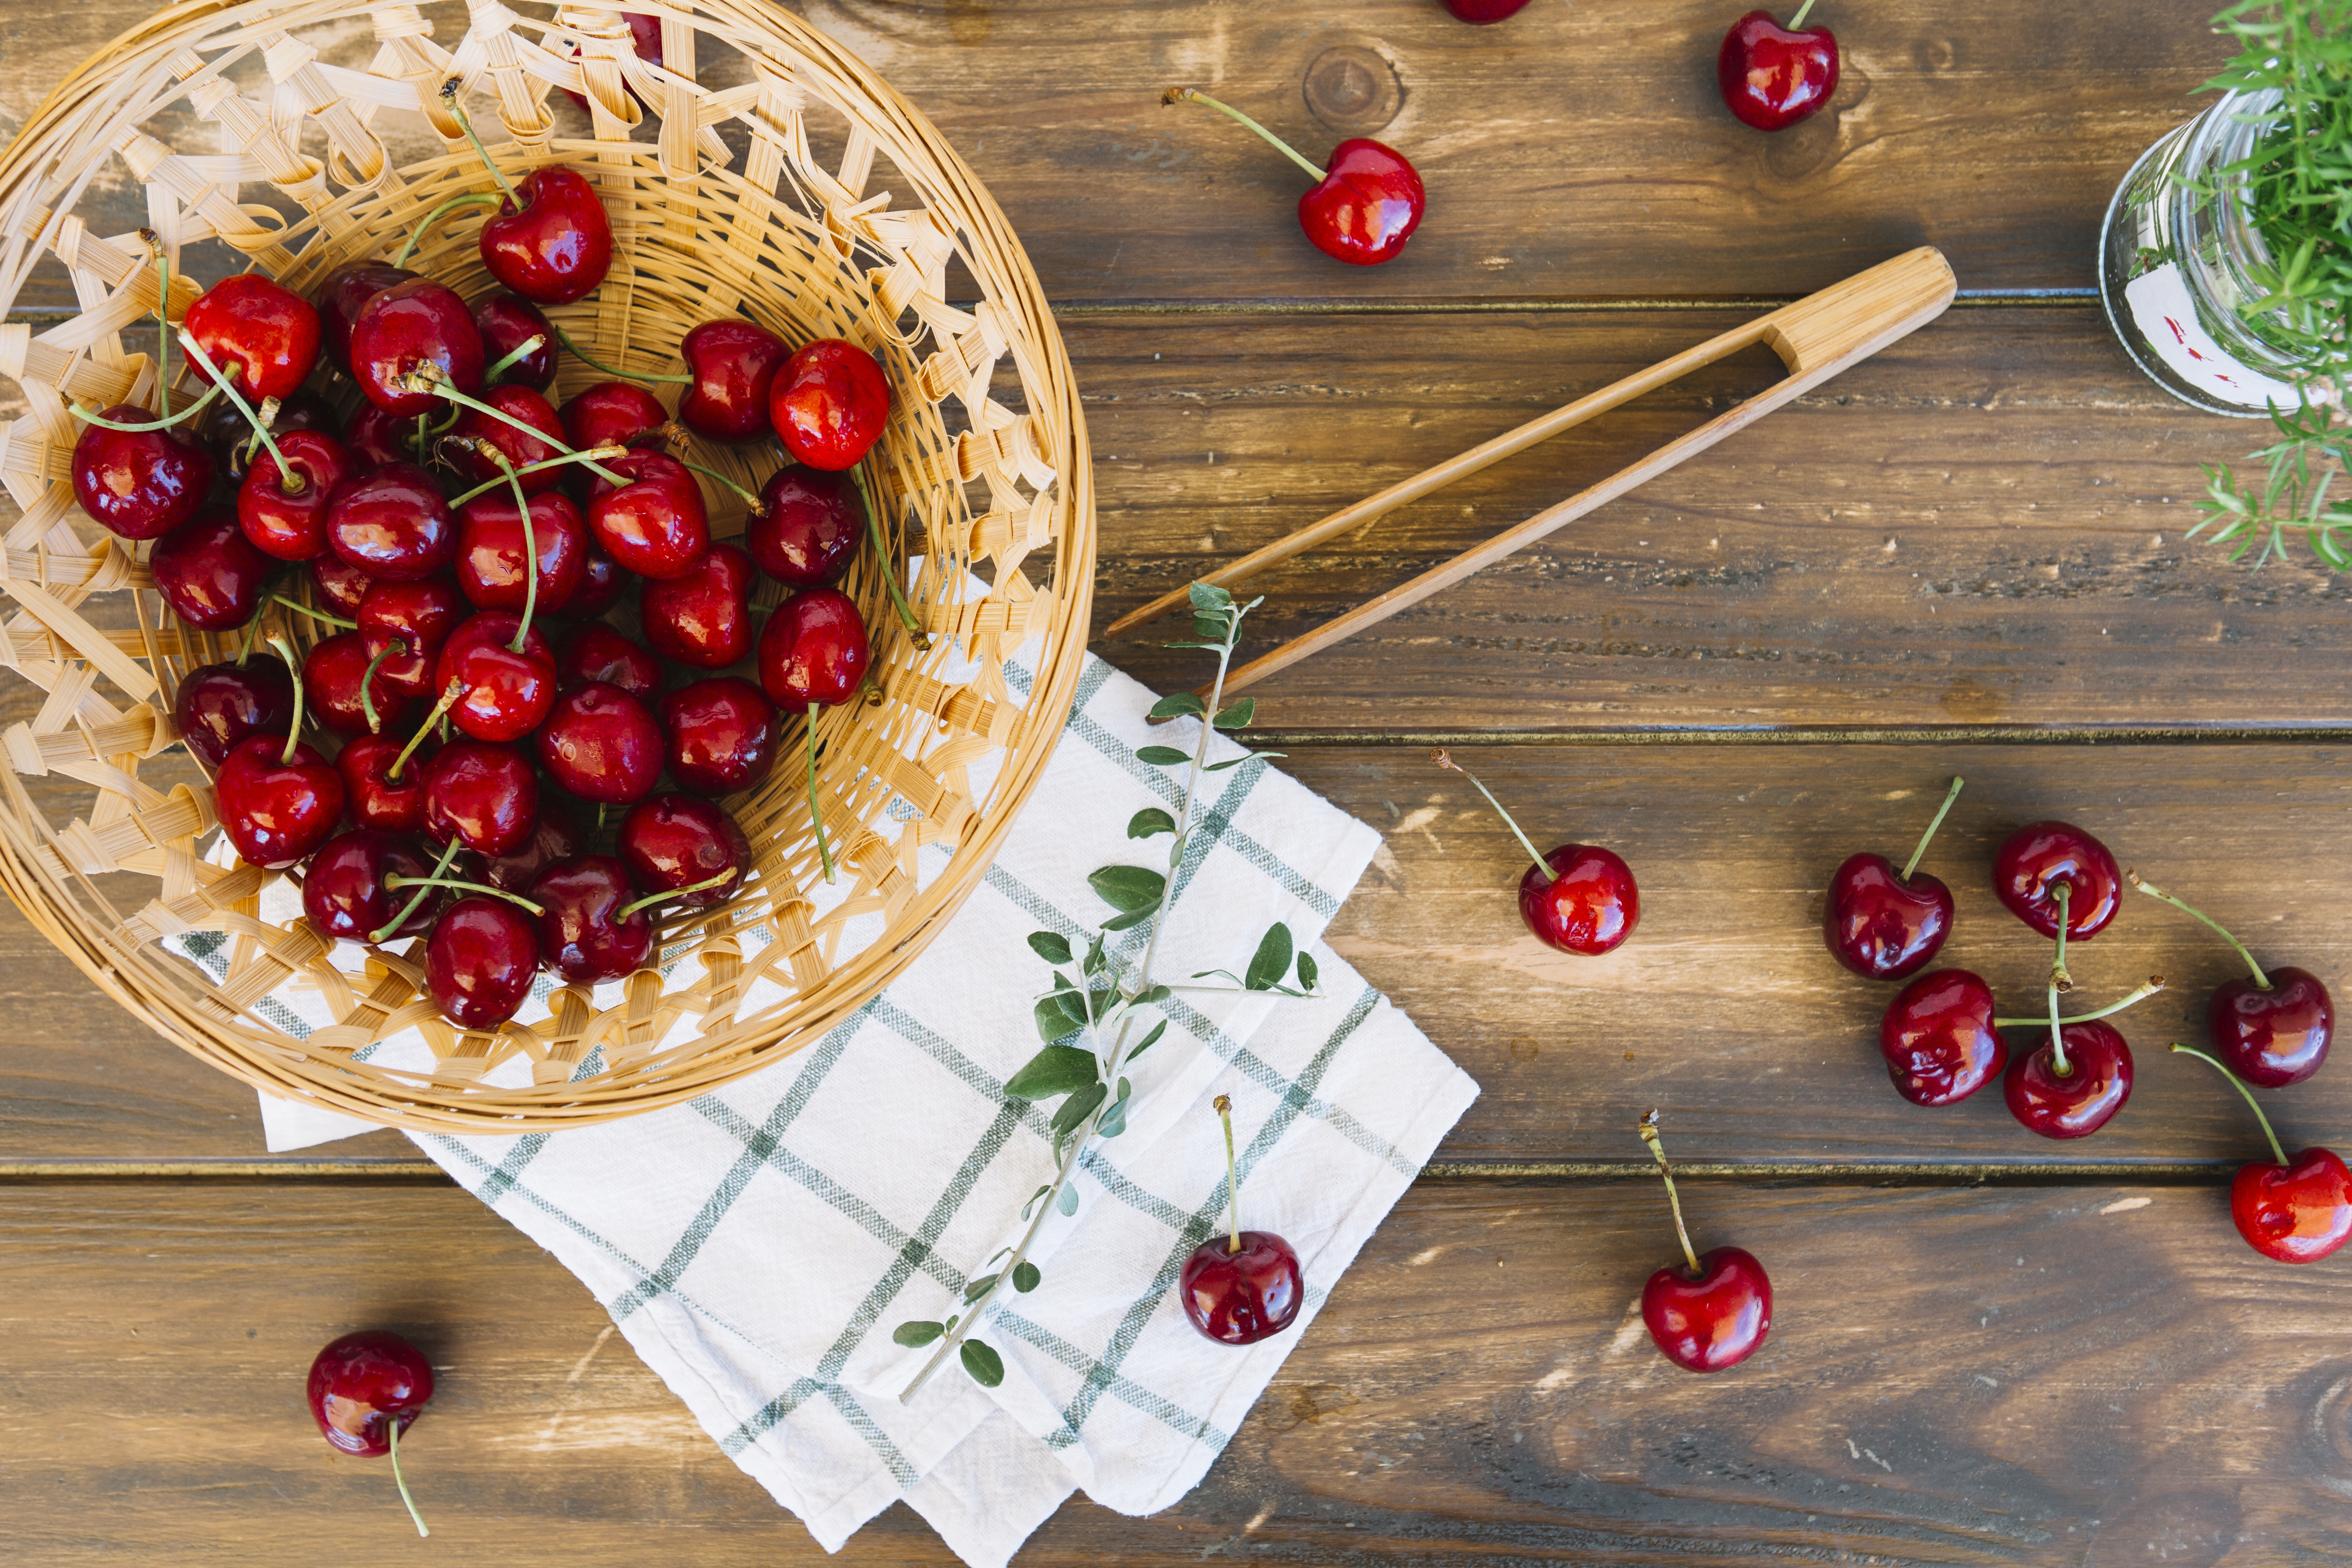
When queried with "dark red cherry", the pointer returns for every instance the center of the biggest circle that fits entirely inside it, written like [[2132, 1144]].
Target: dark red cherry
[[341, 587], [584, 934], [702, 617], [601, 584], [2296, 1213], [363, 1385], [594, 651], [829, 403], [1589, 906], [210, 574], [1771, 77], [673, 841], [482, 794], [480, 960], [612, 413], [376, 439], [2080, 1100], [722, 734], [217, 705], [1939, 1040], [521, 449], [2276, 1037], [346, 290], [602, 744], [644, 39], [504, 694], [654, 524], [419, 617], [813, 650], [331, 673], [291, 524], [1714, 1320], [1881, 926], [558, 246], [343, 893], [139, 484], [374, 798], [1367, 205], [402, 330], [269, 333], [393, 523], [554, 836], [734, 365], [806, 527], [228, 434], [1241, 1298], [2028, 868], [490, 550], [1482, 12], [276, 811], [506, 323]]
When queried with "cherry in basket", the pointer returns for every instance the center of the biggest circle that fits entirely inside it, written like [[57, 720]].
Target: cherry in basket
[[812, 655], [829, 404], [550, 240]]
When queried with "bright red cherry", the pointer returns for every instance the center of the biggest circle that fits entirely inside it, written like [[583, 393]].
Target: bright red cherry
[[612, 413], [1363, 207], [2075, 1095], [1481, 12], [270, 334], [722, 735], [557, 245], [807, 527], [519, 448], [813, 651], [1773, 76], [1938, 1038], [503, 693], [277, 801], [291, 523], [1245, 1285], [1886, 925], [2295, 1211], [230, 436], [210, 574], [217, 705], [644, 40], [376, 439], [703, 616], [490, 550], [366, 1390], [393, 523], [480, 960], [734, 365], [507, 322], [340, 298], [673, 841], [1579, 899], [594, 651], [419, 327], [554, 836], [405, 626], [343, 891], [655, 525], [2042, 856], [331, 675], [829, 403], [595, 927], [341, 586], [1715, 1313], [601, 584], [375, 797], [2271, 1028], [139, 484], [482, 794], [602, 744]]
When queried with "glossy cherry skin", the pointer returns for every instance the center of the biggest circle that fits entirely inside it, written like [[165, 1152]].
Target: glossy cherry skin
[[672, 841], [722, 734], [229, 435], [364, 1384], [276, 812], [375, 438], [1880, 926], [554, 836], [291, 525], [374, 798], [558, 247], [829, 403], [507, 322], [1241, 1298], [268, 332], [734, 366], [506, 693], [594, 651], [1588, 906], [343, 893], [1715, 1321], [480, 960], [393, 523], [340, 298], [405, 328], [1772, 78], [602, 744], [703, 617], [2086, 1097], [210, 574], [2029, 866], [490, 550], [2274, 1038], [341, 587], [1481, 12], [602, 584], [655, 525], [644, 39], [1368, 204], [331, 673], [583, 935], [611, 413], [807, 526], [813, 651], [521, 449], [482, 794], [220, 704], [139, 484], [2296, 1213], [420, 618], [1939, 1040]]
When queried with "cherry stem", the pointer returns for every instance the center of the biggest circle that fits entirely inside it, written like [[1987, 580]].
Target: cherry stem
[[889, 566], [1444, 761], [421, 382], [315, 615], [2154, 984], [2059, 979], [397, 883], [417, 901], [1941, 812], [1186, 95], [2261, 980], [2277, 1153], [457, 112], [1225, 1108], [2058, 1063], [294, 669], [398, 1480], [245, 648], [529, 544], [1798, 20], [592, 363], [592, 454], [417, 235], [163, 321], [747, 497], [367, 681], [817, 815], [449, 695], [529, 346], [1649, 1125], [625, 911], [182, 417], [260, 427]]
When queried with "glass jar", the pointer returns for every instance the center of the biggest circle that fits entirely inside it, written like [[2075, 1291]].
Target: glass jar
[[2179, 257]]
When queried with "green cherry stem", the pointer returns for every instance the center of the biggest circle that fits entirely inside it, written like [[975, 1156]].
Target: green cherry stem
[[1798, 20], [2058, 1063], [1941, 812], [816, 815], [593, 454], [713, 475], [625, 911], [890, 566], [399, 1482], [1649, 1126], [442, 389], [529, 544], [1225, 1108], [448, 855], [1444, 761], [294, 669], [182, 417], [2059, 979], [300, 609], [260, 427], [367, 684], [163, 320], [2277, 1153], [245, 648], [417, 235], [592, 363], [2261, 980], [530, 345], [457, 112], [2154, 984], [1175, 95], [436, 881], [449, 695]]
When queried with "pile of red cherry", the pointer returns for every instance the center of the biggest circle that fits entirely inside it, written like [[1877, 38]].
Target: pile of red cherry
[[443, 519]]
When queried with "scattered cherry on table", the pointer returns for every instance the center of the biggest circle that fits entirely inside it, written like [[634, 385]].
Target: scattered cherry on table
[[2271, 1027], [1938, 1039], [2295, 1211], [1715, 1314], [1772, 77], [366, 1389], [1363, 207], [1581, 898], [1886, 925]]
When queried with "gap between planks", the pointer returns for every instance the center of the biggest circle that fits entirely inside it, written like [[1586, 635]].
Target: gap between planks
[[1821, 735]]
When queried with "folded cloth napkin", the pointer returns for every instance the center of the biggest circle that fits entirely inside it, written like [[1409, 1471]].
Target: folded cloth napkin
[[759, 1246]]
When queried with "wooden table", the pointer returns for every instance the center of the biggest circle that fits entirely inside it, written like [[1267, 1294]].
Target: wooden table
[[1966, 556]]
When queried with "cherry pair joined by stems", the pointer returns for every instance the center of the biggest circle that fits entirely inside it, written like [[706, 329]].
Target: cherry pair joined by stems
[[1772, 77], [1886, 925], [366, 1389], [1363, 209], [1246, 1285], [2271, 1028], [1714, 1313], [1580, 898], [2295, 1211]]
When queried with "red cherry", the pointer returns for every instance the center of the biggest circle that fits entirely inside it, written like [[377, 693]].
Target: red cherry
[[644, 39], [807, 527], [813, 650], [554, 836], [506, 323], [482, 794], [341, 587], [558, 246], [1579, 899], [393, 523], [2297, 1212], [276, 807], [406, 328], [521, 450], [503, 694], [1881, 925], [734, 365], [340, 298], [829, 403], [291, 524], [365, 1385], [722, 735], [702, 617], [375, 799], [419, 617], [594, 651], [594, 928], [2082, 1100], [612, 413], [601, 584], [675, 841], [1368, 204], [655, 525], [602, 744], [343, 893], [220, 704], [1773, 76], [228, 435], [376, 439], [2271, 1028], [139, 484], [210, 574], [479, 962], [2036, 860], [490, 550], [1938, 1038], [331, 673], [1481, 12], [269, 332], [1711, 1319], [1241, 1298]]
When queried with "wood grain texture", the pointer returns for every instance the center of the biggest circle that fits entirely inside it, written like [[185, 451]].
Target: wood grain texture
[[2096, 1375]]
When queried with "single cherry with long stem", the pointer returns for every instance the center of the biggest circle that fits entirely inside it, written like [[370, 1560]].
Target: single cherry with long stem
[[550, 241], [1886, 925], [2273, 1027], [1715, 1314], [1581, 898], [364, 1391], [277, 798], [1363, 208], [1244, 1285], [2295, 1211]]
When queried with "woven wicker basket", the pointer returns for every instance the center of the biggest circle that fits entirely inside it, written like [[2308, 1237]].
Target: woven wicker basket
[[760, 166]]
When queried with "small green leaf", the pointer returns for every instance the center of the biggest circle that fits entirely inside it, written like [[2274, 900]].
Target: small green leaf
[[917, 1333], [1025, 1277], [1142, 825], [1239, 715], [1307, 970], [1068, 1202], [1183, 705], [1128, 888], [1157, 1030], [1057, 1018], [1210, 626], [1077, 1108], [1121, 922], [1161, 756], [1237, 762], [1056, 1069], [1114, 1121], [1209, 596], [987, 1368], [1050, 946], [1272, 961], [1153, 998], [1032, 1204], [978, 1288]]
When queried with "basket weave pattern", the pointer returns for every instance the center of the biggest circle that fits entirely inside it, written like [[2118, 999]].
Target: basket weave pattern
[[718, 201]]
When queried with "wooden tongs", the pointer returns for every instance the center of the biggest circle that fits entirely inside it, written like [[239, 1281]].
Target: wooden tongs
[[1817, 337]]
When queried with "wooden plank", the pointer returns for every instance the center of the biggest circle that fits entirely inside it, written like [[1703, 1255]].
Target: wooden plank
[[1573, 152], [2015, 1377]]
